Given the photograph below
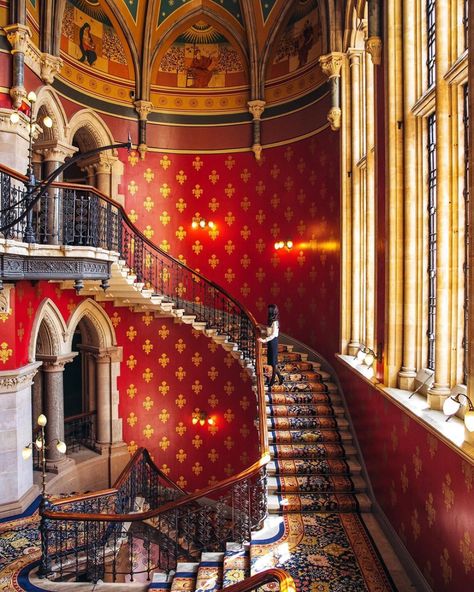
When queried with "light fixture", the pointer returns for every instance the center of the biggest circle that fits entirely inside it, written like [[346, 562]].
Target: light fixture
[[200, 417], [452, 405], [283, 245], [199, 222]]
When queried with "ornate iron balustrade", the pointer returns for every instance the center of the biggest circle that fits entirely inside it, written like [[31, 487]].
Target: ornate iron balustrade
[[80, 431], [114, 534]]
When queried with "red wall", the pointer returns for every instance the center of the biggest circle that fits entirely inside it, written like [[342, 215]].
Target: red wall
[[293, 193], [424, 487]]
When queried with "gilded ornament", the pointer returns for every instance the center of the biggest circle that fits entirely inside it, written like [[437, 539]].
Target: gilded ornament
[[212, 346], [213, 205], [229, 416], [244, 457], [432, 445], [301, 258], [20, 332], [5, 352], [301, 228], [149, 232], [197, 247], [164, 443], [275, 290], [229, 218], [213, 429], [466, 552], [301, 197], [148, 264], [415, 525], [180, 429], [148, 204], [229, 275], [245, 175], [245, 290], [165, 163], [132, 391], [260, 217], [260, 188], [212, 480], [313, 209], [229, 469], [181, 482], [30, 310], [213, 373], [148, 403], [165, 190], [132, 419], [288, 214], [404, 478], [148, 431], [181, 289], [260, 304], [229, 247], [198, 163], [417, 462], [132, 188], [165, 469], [180, 346], [4, 315], [313, 274], [214, 177], [131, 333], [197, 468], [197, 441], [133, 158], [147, 347], [164, 245], [196, 359], [430, 510], [468, 472], [260, 246], [229, 360], [147, 318], [245, 232], [373, 45], [180, 401], [133, 216], [244, 431], [446, 569], [132, 447], [229, 443], [181, 177], [288, 184], [213, 261], [213, 401], [260, 275], [289, 152], [245, 204], [147, 375], [275, 230], [448, 493], [196, 387], [131, 362], [301, 165], [213, 455], [148, 175], [229, 388], [275, 260], [275, 171], [180, 374], [163, 332], [197, 191], [181, 205], [229, 190], [288, 274], [229, 162], [245, 261]]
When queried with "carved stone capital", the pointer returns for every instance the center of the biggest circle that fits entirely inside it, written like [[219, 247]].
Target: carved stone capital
[[334, 118], [331, 64], [373, 45], [5, 298], [143, 108], [55, 150], [56, 363], [142, 150], [18, 95], [257, 150], [18, 37], [50, 66], [12, 381], [256, 108]]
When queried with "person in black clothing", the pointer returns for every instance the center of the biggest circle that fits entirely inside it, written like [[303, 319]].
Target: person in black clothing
[[271, 339]]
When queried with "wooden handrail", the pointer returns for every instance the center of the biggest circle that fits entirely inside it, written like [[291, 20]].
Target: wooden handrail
[[275, 574], [187, 499]]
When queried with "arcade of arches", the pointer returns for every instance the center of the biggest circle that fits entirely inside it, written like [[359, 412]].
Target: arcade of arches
[[342, 126]]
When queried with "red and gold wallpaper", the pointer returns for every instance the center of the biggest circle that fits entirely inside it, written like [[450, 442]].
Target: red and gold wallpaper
[[291, 194], [424, 487]]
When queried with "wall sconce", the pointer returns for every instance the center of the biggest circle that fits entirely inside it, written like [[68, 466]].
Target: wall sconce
[[201, 418], [283, 245], [40, 442], [452, 405], [199, 222]]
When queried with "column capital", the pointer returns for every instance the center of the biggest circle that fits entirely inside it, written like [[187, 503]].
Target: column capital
[[109, 354], [56, 363], [437, 394], [373, 45], [334, 118], [256, 108], [143, 108], [354, 56], [55, 150], [331, 64], [18, 36], [50, 66]]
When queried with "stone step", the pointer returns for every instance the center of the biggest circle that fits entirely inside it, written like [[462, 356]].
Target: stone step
[[184, 579], [236, 564], [338, 502], [209, 574], [304, 411], [329, 466], [309, 436], [311, 451], [315, 483], [293, 423]]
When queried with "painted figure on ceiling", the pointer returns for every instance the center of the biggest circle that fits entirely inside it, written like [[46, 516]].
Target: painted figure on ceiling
[[87, 45], [304, 43], [201, 69]]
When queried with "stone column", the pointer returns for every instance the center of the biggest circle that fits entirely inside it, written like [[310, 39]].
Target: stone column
[[143, 108], [37, 396], [442, 378], [470, 287], [331, 66], [109, 425], [16, 475], [103, 172], [18, 36], [53, 369], [407, 372], [373, 43], [354, 61], [256, 109]]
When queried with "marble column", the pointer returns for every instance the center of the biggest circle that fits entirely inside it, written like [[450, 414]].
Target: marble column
[[16, 475], [331, 66], [53, 389], [109, 425], [256, 109], [143, 108]]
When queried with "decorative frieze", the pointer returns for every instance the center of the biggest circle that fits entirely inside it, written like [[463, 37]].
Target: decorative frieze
[[12, 381], [36, 268]]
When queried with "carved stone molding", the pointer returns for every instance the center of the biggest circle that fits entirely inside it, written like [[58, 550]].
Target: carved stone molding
[[5, 298], [143, 108], [257, 150], [36, 268], [334, 118], [12, 381], [55, 150], [18, 37], [331, 64], [56, 363], [256, 108], [50, 66], [373, 45], [18, 95]]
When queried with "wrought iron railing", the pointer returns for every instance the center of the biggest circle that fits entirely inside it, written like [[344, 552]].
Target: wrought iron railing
[[80, 431], [146, 523]]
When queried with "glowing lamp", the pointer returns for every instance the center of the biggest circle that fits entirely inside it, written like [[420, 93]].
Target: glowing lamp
[[469, 420], [42, 421], [26, 452], [451, 406]]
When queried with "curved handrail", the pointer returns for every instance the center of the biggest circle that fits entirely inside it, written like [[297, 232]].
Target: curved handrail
[[275, 574], [251, 471]]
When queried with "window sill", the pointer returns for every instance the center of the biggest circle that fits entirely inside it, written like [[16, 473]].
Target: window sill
[[451, 432]]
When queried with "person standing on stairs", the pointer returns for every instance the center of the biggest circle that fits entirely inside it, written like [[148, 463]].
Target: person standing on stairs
[[271, 339]]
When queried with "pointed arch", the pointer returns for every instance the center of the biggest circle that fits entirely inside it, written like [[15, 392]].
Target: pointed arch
[[48, 103], [90, 130], [98, 330], [48, 331]]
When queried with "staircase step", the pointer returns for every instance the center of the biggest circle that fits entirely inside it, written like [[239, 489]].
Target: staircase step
[[318, 502], [236, 564], [305, 423], [311, 451], [209, 574], [324, 409], [185, 577], [308, 436], [315, 483], [327, 466]]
